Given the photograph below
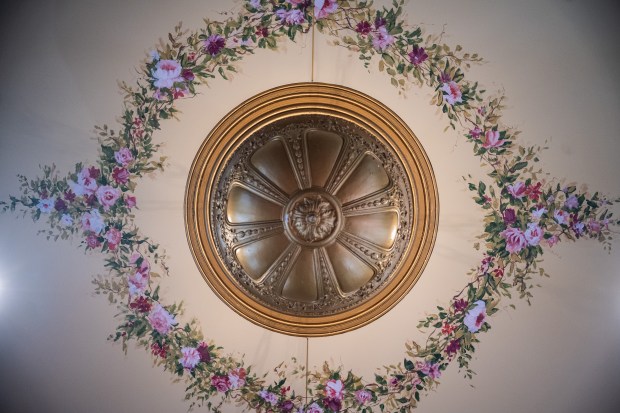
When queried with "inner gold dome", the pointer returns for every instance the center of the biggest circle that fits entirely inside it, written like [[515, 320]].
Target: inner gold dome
[[311, 209]]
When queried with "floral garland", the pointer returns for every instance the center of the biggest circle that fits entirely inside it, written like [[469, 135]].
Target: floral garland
[[523, 214]]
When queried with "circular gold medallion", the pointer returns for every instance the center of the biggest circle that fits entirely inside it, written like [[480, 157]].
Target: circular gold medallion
[[311, 209]]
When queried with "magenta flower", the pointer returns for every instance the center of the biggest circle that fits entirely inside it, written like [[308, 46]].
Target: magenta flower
[[475, 316], [141, 304], [60, 205], [492, 140], [214, 44], [130, 201], [453, 347], [332, 404], [460, 305], [517, 190], [120, 175], [452, 92], [417, 56], [221, 383], [515, 239], [188, 74], [203, 350]]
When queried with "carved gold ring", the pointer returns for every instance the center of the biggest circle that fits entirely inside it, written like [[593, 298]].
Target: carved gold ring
[[311, 209]]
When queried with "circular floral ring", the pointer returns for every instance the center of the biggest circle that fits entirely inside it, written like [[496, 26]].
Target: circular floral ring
[[523, 215]]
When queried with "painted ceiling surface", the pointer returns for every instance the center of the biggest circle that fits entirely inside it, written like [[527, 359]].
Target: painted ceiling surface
[[556, 62]]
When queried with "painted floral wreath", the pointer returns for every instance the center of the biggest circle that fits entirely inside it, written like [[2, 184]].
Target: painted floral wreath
[[523, 214]]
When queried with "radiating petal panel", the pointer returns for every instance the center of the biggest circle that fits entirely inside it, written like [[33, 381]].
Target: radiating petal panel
[[323, 149], [350, 271], [378, 228], [368, 177], [301, 283], [256, 257], [244, 206], [272, 161]]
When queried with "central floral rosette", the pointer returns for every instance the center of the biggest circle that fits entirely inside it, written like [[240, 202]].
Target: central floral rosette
[[313, 218]]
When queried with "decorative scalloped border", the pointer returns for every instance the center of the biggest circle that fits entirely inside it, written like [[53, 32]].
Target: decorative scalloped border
[[523, 214]]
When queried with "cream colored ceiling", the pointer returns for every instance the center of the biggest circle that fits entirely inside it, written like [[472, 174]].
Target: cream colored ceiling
[[557, 62]]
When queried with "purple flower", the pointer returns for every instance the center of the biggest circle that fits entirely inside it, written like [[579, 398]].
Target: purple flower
[[188, 74], [363, 27], [417, 56], [123, 156], [214, 44], [379, 22], [561, 217], [475, 133], [572, 202], [92, 241], [291, 17], [314, 408], [510, 217], [286, 406], [66, 220], [363, 396], [203, 350], [333, 404], [382, 39], [460, 305], [60, 205], [269, 397], [453, 347]]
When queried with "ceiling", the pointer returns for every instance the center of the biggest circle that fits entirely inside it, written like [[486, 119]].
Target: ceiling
[[556, 61]]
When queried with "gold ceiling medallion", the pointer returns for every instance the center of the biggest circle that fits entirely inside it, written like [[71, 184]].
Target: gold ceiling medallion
[[311, 209]]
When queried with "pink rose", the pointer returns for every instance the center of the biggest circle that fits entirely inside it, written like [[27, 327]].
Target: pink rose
[[120, 175], [452, 92], [161, 320], [533, 234], [475, 316], [515, 239], [363, 396], [561, 217], [517, 190], [113, 236], [220, 383], [138, 283], [333, 389], [189, 357], [85, 185], [236, 378], [492, 140], [107, 196], [166, 73], [123, 156], [382, 39], [92, 221], [323, 8]]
